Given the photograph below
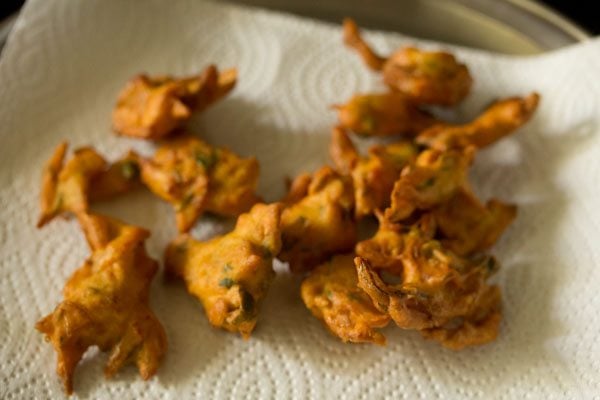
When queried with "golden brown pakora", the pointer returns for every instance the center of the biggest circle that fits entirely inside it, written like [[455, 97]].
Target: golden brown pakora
[[438, 293], [433, 179], [499, 120], [373, 177], [383, 114], [106, 304], [196, 177], [230, 274], [384, 250], [317, 220], [85, 178], [467, 226], [424, 77], [331, 293], [154, 107], [232, 184]]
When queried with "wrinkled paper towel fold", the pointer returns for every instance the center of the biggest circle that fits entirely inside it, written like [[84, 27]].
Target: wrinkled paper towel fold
[[60, 73]]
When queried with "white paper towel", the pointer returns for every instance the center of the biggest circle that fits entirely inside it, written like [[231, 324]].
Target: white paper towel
[[60, 73]]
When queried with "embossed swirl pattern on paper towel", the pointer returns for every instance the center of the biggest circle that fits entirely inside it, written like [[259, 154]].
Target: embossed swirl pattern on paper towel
[[60, 74]]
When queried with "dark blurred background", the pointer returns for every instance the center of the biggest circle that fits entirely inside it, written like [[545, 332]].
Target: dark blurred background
[[580, 11]]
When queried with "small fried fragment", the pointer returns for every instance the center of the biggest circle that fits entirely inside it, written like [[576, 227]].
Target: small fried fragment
[[297, 188], [318, 222], [195, 177], [85, 178], [384, 114], [230, 274], [331, 293], [353, 39], [468, 226], [443, 296], [424, 77], [499, 120], [373, 177], [154, 107], [106, 304], [433, 179], [120, 177]]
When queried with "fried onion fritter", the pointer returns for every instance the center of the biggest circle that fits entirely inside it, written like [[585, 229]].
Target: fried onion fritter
[[232, 184], [195, 177], [317, 219], [106, 304], [424, 77], [373, 177], [383, 114], [230, 274], [433, 179], [384, 250], [468, 227], [331, 293], [442, 295], [86, 177], [153, 107], [499, 120]]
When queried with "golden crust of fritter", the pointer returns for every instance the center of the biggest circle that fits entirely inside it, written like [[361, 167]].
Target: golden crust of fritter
[[433, 179], [383, 114], [424, 77], [232, 184], [331, 293], [317, 220], [106, 304], [385, 249], [230, 274], [442, 295], [196, 177], [70, 187], [469, 227], [373, 176], [427, 77], [500, 119], [154, 107]]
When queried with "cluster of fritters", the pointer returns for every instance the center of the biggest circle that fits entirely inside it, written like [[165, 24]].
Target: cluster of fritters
[[425, 268]]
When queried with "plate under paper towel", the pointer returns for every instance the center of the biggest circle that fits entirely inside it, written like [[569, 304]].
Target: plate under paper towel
[[60, 74]]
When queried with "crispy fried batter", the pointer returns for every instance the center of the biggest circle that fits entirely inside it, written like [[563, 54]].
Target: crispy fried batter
[[440, 294], [427, 77], [317, 222], [383, 114], [384, 250], [195, 177], [468, 226], [353, 39], [106, 304], [499, 120], [86, 177], [433, 179], [232, 184], [120, 177], [153, 107], [331, 293], [424, 77], [373, 177], [179, 173], [297, 188], [230, 274]]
